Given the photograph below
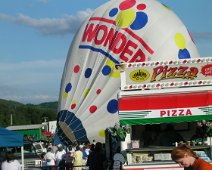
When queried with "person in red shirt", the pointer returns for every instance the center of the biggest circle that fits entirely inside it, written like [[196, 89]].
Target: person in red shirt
[[187, 158]]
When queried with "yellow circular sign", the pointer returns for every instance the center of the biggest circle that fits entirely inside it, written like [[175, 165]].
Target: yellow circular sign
[[139, 75]]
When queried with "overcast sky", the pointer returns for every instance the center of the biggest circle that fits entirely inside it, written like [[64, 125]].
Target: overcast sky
[[36, 35]]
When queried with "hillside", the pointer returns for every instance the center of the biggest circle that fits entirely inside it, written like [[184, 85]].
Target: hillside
[[24, 114]]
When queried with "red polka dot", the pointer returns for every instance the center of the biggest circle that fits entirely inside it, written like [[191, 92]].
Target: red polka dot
[[98, 91], [141, 7], [76, 68], [93, 109], [127, 4], [73, 106]]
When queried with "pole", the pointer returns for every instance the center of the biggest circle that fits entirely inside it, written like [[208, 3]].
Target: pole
[[22, 157], [11, 119]]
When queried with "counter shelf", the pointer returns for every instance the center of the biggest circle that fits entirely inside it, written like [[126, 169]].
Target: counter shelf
[[153, 155]]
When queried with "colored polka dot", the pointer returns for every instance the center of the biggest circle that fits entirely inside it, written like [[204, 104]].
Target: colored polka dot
[[140, 21], [76, 69], [106, 70], [180, 41], [127, 4], [92, 109], [98, 91], [88, 72], [68, 87], [65, 95], [115, 74], [110, 63], [112, 106], [102, 133], [141, 7], [113, 12], [184, 54], [128, 17], [86, 92], [73, 106], [125, 18]]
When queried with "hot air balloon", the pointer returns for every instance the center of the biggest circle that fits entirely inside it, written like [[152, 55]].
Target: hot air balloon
[[118, 31]]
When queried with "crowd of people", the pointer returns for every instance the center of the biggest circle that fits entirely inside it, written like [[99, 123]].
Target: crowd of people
[[59, 157], [74, 157], [92, 157]]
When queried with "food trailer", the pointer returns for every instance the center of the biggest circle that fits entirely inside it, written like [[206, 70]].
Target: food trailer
[[155, 94]]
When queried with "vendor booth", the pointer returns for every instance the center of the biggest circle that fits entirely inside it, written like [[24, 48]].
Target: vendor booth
[[10, 138], [165, 104]]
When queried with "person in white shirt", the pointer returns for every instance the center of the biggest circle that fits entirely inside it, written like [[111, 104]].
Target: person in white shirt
[[50, 159], [60, 154], [10, 163]]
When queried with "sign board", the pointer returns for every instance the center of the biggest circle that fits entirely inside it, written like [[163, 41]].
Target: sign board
[[166, 74], [166, 108]]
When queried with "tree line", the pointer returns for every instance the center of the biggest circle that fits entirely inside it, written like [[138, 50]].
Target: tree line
[[15, 113]]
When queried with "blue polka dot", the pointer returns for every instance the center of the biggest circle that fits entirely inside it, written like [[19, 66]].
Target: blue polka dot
[[106, 70], [113, 12], [112, 106], [68, 87], [88, 72], [183, 54], [140, 21]]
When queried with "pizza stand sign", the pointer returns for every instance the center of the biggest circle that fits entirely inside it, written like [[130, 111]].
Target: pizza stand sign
[[176, 107], [165, 74]]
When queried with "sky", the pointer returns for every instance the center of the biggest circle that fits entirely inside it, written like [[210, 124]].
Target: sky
[[36, 36]]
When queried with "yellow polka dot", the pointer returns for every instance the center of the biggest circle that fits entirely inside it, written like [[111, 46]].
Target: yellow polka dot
[[110, 63], [86, 92], [125, 18], [114, 73], [102, 133], [73, 102], [65, 95], [180, 41]]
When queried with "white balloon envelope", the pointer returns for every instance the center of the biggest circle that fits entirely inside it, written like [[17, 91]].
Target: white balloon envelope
[[118, 31]]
